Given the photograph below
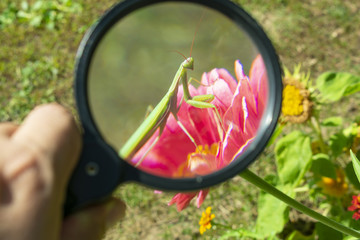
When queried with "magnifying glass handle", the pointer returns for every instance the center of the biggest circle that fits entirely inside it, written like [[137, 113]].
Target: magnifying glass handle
[[95, 177]]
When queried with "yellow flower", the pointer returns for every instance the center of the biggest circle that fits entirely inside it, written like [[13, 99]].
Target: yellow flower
[[293, 100], [296, 104], [205, 220], [334, 187]]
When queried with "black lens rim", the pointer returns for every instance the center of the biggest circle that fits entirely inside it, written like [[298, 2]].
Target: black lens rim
[[269, 119]]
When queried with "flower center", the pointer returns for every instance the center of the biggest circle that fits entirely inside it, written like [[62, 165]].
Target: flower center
[[201, 162], [292, 101], [205, 150]]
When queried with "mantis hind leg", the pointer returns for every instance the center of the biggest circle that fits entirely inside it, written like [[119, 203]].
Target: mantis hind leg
[[158, 137], [161, 129], [198, 150], [147, 151], [187, 134]]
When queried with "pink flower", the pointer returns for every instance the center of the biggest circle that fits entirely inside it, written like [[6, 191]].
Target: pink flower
[[220, 138], [182, 200]]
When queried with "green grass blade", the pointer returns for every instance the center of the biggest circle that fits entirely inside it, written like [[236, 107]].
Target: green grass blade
[[356, 165]]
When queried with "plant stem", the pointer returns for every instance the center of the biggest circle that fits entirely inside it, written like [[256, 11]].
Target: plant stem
[[260, 183], [221, 225], [314, 122]]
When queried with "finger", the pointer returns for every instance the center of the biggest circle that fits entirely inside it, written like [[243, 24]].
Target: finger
[[50, 131], [91, 223], [7, 129], [115, 212]]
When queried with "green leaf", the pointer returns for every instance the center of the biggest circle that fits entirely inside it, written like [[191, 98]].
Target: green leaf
[[22, 15], [350, 238], [335, 85], [38, 5], [239, 234], [339, 142], [352, 89], [36, 21], [296, 235], [322, 166], [293, 157], [273, 214], [325, 233], [342, 140], [24, 5], [332, 122], [350, 174], [356, 165]]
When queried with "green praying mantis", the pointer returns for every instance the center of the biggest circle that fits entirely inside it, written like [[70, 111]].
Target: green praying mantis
[[158, 117]]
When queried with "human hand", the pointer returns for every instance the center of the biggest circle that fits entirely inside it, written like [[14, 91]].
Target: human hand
[[36, 161]]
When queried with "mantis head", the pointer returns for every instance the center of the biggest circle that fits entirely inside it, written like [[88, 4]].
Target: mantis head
[[188, 63]]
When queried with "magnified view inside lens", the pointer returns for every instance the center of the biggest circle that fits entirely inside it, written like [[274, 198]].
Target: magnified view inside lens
[[178, 89]]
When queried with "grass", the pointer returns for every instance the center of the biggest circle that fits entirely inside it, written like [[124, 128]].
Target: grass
[[37, 63]]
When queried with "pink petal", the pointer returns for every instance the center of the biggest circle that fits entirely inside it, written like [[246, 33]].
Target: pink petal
[[201, 197], [182, 200], [259, 82]]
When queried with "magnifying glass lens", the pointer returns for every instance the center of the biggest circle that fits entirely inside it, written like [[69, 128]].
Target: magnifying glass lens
[[200, 117]]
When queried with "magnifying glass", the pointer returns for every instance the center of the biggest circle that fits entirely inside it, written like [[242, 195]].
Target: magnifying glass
[[176, 95]]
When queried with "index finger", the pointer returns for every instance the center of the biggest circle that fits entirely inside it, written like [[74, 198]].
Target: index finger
[[50, 131]]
